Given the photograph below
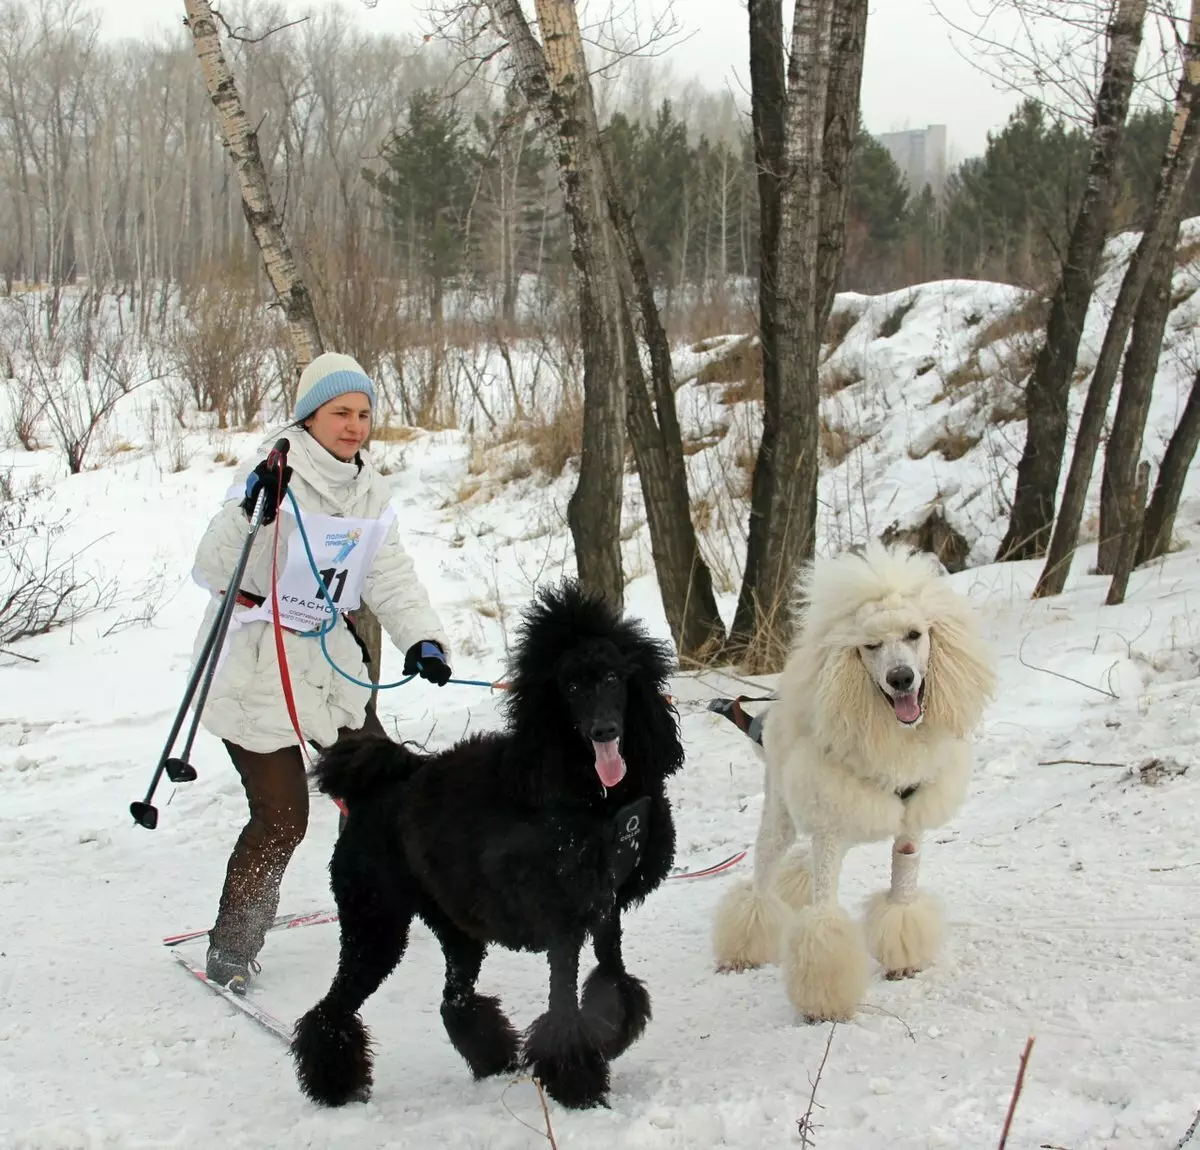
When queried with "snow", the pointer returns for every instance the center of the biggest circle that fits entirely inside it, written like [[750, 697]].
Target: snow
[[1070, 877]]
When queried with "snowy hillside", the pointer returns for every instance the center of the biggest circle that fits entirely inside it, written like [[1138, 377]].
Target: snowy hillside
[[1070, 878]]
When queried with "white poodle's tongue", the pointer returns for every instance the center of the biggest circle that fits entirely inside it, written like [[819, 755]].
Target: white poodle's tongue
[[609, 764], [908, 707]]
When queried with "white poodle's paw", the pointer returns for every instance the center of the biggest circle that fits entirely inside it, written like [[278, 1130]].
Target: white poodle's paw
[[903, 937], [792, 880], [747, 927], [825, 964]]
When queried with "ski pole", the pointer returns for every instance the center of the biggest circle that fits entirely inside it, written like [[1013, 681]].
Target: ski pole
[[179, 770]]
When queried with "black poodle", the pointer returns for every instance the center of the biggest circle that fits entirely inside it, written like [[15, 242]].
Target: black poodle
[[533, 838]]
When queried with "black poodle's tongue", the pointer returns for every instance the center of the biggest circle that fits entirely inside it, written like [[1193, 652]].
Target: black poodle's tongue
[[908, 707], [609, 764]]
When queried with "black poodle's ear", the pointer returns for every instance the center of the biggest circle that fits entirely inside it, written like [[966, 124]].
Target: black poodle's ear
[[651, 722]]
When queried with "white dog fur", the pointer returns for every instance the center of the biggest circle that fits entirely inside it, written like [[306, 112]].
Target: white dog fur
[[868, 740]]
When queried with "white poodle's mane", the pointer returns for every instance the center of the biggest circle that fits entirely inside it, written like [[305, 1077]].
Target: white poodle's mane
[[848, 600]]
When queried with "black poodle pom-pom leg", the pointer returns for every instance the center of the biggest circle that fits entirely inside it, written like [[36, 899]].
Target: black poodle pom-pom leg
[[478, 1028], [332, 1052], [331, 1047], [615, 1004], [563, 1050]]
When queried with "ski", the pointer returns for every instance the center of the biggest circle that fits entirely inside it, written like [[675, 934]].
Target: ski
[[263, 1017], [282, 922], [709, 871]]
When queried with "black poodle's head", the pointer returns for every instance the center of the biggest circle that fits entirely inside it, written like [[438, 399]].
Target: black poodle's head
[[588, 688]]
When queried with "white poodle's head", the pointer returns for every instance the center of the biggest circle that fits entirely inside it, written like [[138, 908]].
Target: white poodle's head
[[888, 645], [897, 659]]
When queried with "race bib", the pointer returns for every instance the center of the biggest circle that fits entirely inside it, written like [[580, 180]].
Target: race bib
[[344, 550]]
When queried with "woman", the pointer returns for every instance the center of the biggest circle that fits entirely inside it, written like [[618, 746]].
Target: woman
[[352, 531]]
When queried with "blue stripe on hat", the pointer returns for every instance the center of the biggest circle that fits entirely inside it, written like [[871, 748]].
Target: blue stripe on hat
[[330, 387]]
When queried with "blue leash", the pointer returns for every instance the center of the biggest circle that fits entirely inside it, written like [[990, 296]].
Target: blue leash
[[325, 628]]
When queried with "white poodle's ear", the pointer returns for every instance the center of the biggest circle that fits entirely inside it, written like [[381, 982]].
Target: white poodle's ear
[[960, 678], [848, 709]]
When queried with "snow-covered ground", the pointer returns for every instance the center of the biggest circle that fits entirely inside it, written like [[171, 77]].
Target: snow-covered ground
[[1071, 878]]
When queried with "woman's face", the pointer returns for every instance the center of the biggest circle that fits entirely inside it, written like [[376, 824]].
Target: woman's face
[[342, 425]]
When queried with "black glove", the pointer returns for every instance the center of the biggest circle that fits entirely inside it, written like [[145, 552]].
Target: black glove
[[428, 660], [265, 478]]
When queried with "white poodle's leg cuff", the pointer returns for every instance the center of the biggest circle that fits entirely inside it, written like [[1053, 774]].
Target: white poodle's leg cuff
[[747, 927], [904, 925], [825, 967]]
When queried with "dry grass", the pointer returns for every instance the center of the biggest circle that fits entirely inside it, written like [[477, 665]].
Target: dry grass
[[969, 372], [895, 318], [935, 535], [394, 433], [951, 445], [695, 446], [740, 369], [1025, 319], [1187, 253], [839, 326], [839, 378], [837, 442]]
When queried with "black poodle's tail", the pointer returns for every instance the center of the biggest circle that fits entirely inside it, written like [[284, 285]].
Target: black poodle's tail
[[360, 766]]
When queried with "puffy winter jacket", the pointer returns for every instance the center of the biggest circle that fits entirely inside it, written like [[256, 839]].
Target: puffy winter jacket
[[246, 704]]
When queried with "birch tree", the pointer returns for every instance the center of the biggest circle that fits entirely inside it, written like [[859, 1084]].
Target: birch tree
[[793, 112], [553, 76], [257, 204]]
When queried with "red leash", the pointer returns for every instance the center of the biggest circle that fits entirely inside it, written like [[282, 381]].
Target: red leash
[[285, 676]]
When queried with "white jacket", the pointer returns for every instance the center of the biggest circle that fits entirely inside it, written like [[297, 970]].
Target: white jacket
[[246, 704]]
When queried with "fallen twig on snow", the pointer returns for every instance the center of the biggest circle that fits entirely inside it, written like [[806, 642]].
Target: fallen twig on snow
[[1034, 818], [548, 1133], [1177, 866], [1060, 675], [1077, 763], [805, 1126], [1012, 1103], [18, 655], [1189, 1133]]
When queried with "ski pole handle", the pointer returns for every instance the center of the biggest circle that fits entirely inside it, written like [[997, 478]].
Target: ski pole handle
[[279, 453]]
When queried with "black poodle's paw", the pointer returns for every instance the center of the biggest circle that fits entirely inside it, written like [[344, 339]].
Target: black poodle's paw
[[480, 1031], [332, 1055], [564, 1053], [617, 1007]]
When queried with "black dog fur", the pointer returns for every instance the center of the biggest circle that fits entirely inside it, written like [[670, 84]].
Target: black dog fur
[[506, 838]]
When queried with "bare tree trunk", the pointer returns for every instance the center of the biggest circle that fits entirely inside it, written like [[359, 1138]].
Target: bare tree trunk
[[1133, 407], [684, 579], [1118, 507], [1046, 397], [849, 33], [769, 101], [1173, 180], [1136, 509], [257, 204], [1159, 523], [798, 282], [555, 83]]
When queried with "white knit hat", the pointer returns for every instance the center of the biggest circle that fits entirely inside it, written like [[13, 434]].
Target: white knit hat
[[327, 377]]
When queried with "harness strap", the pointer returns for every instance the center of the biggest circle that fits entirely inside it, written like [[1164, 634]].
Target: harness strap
[[628, 831]]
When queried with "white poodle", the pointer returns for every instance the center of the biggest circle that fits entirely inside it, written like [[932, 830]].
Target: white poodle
[[868, 740]]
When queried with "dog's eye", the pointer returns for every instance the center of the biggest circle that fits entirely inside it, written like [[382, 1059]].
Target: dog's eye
[[872, 646], [611, 680], [572, 688], [914, 636]]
